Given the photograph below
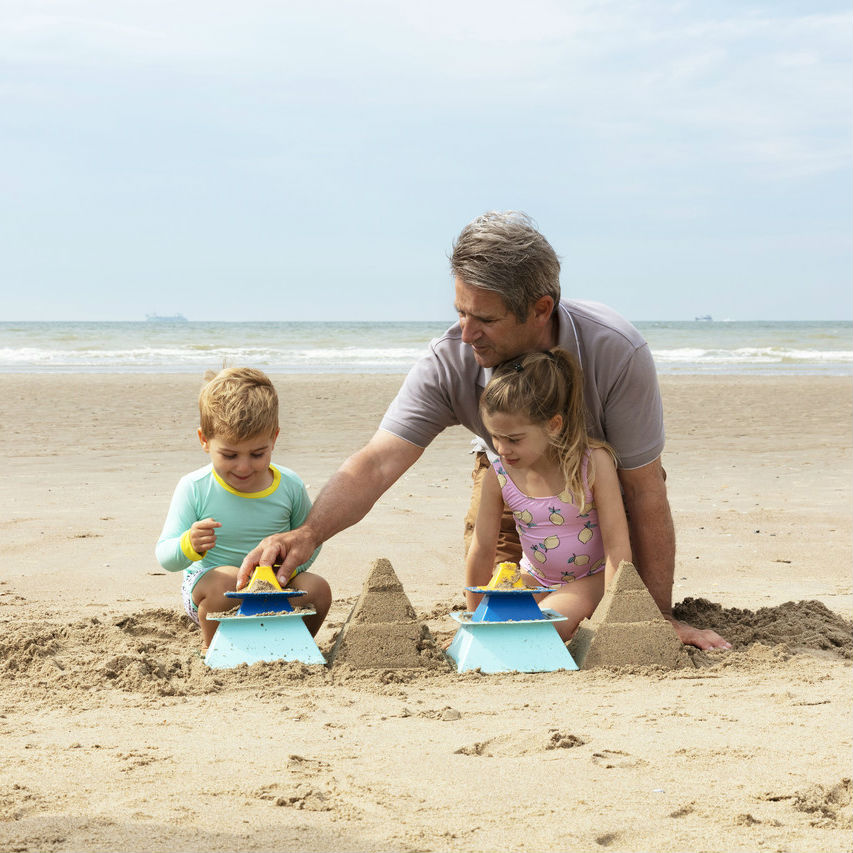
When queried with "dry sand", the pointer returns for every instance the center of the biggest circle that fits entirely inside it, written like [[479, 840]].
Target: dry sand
[[117, 737]]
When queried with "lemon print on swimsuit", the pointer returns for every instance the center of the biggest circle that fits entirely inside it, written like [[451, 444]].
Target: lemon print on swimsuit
[[524, 515], [586, 533], [556, 517], [542, 547], [589, 509], [568, 577], [578, 559], [597, 565]]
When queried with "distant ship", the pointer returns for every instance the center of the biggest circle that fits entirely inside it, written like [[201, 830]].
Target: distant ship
[[704, 318], [166, 318]]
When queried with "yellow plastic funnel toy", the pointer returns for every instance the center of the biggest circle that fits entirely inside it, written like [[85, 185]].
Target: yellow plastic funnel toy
[[506, 576], [264, 574]]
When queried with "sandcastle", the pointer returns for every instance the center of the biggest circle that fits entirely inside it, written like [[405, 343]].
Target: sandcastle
[[627, 628], [382, 631]]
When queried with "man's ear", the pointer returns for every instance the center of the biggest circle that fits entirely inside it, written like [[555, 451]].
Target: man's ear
[[543, 308]]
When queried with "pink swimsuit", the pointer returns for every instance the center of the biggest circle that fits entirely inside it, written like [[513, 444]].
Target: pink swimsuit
[[560, 545]]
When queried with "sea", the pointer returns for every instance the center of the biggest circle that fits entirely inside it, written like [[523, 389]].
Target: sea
[[185, 346]]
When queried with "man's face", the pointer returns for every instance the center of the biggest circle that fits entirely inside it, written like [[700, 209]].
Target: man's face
[[490, 329]]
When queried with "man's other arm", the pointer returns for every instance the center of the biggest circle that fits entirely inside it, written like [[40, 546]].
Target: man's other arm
[[653, 546]]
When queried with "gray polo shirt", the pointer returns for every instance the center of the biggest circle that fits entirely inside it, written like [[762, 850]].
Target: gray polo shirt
[[620, 385]]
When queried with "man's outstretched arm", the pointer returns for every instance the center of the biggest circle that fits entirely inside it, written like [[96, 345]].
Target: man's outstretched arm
[[653, 547], [343, 501]]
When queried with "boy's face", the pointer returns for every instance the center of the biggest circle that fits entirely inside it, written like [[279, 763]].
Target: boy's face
[[243, 465]]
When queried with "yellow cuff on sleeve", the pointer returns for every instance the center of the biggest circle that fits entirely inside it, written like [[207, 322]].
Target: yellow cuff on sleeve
[[187, 549]]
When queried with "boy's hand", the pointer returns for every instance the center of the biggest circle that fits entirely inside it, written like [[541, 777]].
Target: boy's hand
[[203, 535]]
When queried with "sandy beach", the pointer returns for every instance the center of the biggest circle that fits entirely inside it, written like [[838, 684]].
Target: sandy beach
[[118, 737]]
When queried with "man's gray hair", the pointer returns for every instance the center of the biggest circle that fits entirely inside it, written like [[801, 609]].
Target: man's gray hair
[[502, 251]]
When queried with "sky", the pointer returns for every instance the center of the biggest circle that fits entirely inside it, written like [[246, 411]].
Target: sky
[[316, 160]]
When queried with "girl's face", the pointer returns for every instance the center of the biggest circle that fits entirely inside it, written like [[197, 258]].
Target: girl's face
[[520, 443], [243, 465]]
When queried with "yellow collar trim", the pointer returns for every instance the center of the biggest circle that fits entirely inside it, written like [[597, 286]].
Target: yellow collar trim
[[276, 479]]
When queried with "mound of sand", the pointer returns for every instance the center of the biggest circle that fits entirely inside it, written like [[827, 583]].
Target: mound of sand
[[382, 631], [152, 653], [801, 625]]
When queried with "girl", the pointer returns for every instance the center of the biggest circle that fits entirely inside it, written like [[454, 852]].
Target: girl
[[560, 484]]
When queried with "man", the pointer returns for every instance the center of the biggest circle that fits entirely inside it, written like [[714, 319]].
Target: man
[[508, 302]]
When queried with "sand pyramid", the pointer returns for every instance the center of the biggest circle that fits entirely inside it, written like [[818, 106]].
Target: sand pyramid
[[382, 631], [627, 628]]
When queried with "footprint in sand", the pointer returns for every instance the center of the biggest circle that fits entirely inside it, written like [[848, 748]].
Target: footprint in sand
[[558, 740], [510, 745], [615, 758]]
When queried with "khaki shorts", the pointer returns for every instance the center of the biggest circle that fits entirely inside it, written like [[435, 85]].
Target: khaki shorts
[[509, 548]]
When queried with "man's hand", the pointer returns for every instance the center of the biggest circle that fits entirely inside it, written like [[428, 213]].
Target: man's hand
[[291, 549], [203, 535], [702, 638]]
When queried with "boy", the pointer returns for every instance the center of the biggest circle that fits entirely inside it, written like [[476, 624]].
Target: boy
[[220, 512]]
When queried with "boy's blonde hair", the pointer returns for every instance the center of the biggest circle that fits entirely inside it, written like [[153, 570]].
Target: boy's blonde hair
[[538, 386], [237, 404]]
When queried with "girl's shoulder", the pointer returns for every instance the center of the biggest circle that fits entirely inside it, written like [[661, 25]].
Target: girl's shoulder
[[601, 455], [601, 463]]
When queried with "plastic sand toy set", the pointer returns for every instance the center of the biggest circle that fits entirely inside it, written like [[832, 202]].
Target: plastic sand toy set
[[264, 628], [509, 631]]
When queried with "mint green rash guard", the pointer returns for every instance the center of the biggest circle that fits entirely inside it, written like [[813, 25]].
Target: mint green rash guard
[[246, 518]]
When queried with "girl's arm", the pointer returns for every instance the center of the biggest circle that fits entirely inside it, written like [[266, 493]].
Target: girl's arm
[[612, 521], [480, 563]]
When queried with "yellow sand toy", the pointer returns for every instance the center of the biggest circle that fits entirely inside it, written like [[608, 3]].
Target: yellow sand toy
[[506, 576], [263, 574]]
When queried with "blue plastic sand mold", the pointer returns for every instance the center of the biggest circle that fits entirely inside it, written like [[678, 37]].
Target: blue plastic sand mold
[[265, 628], [508, 632], [506, 605]]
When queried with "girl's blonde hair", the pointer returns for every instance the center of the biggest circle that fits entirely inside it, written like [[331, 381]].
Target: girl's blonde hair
[[237, 404], [538, 386]]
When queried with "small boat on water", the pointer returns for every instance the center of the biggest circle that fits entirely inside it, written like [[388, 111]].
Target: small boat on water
[[703, 318], [166, 318]]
